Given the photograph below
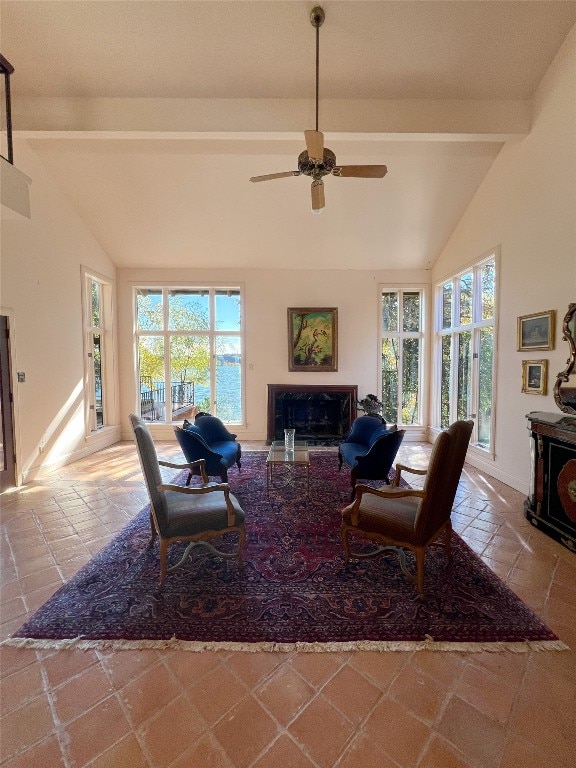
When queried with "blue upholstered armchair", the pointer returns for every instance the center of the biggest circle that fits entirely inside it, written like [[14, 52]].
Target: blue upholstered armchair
[[370, 449], [209, 439]]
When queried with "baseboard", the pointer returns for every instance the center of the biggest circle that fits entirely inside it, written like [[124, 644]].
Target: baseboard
[[518, 483]]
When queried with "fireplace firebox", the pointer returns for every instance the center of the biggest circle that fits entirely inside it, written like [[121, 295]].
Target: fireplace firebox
[[320, 414]]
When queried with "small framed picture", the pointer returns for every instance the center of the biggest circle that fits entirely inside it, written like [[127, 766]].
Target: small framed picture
[[536, 331], [535, 377]]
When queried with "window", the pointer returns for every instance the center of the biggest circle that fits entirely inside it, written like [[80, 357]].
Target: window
[[402, 355], [98, 387], [465, 313], [189, 347]]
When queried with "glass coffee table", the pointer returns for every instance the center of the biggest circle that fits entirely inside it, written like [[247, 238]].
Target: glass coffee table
[[281, 466]]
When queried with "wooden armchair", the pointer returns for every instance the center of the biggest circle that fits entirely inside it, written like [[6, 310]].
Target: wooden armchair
[[195, 514], [402, 518]]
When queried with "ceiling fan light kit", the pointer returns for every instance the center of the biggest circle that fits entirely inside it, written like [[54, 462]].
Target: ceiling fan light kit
[[317, 160]]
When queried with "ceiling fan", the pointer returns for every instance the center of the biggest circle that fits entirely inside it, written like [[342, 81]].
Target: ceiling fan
[[317, 160]]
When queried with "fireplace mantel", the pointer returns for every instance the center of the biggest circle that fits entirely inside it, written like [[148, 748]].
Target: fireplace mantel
[[320, 413]]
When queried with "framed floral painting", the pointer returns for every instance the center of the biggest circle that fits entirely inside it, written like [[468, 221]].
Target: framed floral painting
[[313, 339]]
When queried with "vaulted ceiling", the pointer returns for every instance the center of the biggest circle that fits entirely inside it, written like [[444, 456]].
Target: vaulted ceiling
[[152, 115]]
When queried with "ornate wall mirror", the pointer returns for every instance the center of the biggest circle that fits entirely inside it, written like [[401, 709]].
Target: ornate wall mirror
[[565, 387]]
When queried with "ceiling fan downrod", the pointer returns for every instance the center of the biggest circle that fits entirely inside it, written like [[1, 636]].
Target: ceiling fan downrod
[[317, 17]]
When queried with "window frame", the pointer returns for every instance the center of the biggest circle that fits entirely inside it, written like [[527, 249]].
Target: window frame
[[423, 290], [454, 330], [212, 332], [105, 330]]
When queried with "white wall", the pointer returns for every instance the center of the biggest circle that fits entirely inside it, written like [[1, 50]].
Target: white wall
[[527, 205], [40, 290], [268, 294]]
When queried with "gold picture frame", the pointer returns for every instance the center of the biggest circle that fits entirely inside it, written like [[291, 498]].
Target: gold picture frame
[[536, 331], [535, 377], [313, 339]]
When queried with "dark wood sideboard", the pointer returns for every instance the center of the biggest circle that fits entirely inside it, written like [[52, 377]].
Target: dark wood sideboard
[[551, 504]]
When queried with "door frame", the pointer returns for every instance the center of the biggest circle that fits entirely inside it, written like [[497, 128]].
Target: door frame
[[9, 315]]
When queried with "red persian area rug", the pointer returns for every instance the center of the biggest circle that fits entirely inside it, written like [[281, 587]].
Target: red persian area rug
[[293, 591]]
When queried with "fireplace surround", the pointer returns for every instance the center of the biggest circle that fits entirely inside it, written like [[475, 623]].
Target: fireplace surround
[[321, 414]]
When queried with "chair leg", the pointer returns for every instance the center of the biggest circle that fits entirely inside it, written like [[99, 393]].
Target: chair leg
[[353, 479], [153, 533], [189, 478], [340, 460]]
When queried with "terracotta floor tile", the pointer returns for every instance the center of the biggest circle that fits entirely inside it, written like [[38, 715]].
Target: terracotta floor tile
[[284, 694], [96, 730], [254, 667], [322, 731], [20, 687], [245, 732], [397, 732], [284, 752], [13, 659], [147, 693], [317, 668], [170, 732], [420, 693], [22, 728], [352, 694], [66, 664], [124, 667], [126, 753], [440, 754], [189, 668], [381, 668], [46, 754], [204, 753], [476, 735], [487, 693], [81, 692], [216, 693], [364, 753]]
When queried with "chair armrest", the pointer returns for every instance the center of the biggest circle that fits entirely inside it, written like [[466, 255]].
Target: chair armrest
[[387, 492], [199, 490], [412, 470], [188, 465]]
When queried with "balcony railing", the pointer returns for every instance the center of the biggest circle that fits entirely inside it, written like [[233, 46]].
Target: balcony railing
[[153, 397]]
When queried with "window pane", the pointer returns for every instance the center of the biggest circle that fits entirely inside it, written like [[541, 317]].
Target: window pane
[[466, 298], [97, 363], [410, 368], [229, 379], [485, 385], [447, 305], [227, 311], [149, 310], [188, 310], [411, 318], [445, 381], [488, 276], [463, 409], [390, 379], [389, 311], [95, 301], [151, 375], [190, 372]]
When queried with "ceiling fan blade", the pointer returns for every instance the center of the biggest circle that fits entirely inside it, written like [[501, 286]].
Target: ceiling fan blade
[[315, 145], [270, 176], [360, 171], [317, 195]]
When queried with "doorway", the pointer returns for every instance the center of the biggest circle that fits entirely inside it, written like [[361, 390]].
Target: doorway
[[7, 452]]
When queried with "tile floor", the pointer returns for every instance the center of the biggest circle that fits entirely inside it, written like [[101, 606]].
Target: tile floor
[[151, 709]]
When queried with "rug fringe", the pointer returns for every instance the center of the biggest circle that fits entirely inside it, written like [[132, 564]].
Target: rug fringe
[[429, 644]]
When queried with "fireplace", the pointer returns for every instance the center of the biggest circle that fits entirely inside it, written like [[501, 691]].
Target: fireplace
[[320, 414]]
